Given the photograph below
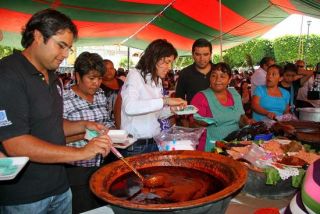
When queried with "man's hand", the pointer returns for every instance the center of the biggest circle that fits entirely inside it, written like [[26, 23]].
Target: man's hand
[[96, 127], [98, 145]]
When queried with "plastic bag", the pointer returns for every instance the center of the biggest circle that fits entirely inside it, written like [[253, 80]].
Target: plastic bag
[[258, 156], [284, 117], [178, 138]]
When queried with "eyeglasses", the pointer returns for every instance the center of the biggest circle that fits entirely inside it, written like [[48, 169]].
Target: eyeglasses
[[300, 66], [63, 46]]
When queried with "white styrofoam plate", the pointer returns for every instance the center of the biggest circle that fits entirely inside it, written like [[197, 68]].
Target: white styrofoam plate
[[189, 109], [20, 162], [118, 136], [125, 144]]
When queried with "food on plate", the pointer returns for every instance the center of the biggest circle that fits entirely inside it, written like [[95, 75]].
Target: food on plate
[[293, 146], [292, 161], [273, 146], [308, 157]]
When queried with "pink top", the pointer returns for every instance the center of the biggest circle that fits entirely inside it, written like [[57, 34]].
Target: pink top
[[200, 101], [311, 187]]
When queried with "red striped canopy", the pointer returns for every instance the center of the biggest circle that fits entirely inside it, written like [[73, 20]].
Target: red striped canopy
[[135, 23]]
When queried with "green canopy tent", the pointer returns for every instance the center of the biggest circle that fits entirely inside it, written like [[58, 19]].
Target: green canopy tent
[[135, 23]]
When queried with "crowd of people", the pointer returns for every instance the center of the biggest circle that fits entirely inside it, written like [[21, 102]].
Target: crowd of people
[[45, 117]]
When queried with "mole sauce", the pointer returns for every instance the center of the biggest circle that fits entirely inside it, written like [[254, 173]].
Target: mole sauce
[[180, 184]]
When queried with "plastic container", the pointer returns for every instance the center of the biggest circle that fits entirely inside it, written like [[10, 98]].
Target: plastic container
[[270, 210], [264, 137]]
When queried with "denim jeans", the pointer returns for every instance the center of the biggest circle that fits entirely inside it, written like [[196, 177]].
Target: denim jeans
[[58, 204], [140, 147]]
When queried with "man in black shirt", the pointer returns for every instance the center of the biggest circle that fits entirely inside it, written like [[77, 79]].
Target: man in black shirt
[[31, 121], [196, 77]]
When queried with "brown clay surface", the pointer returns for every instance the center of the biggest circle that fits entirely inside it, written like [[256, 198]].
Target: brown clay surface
[[224, 168]]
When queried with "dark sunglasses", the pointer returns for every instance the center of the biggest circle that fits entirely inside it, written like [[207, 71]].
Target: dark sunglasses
[[300, 66]]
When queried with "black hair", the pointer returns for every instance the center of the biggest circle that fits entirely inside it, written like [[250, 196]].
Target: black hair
[[242, 83], [265, 60], [201, 43], [87, 62], [107, 61], [290, 67], [318, 67], [223, 67], [155, 51], [280, 69], [48, 22]]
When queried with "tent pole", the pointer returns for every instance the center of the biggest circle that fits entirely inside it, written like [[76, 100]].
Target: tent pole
[[128, 64], [220, 19], [300, 49]]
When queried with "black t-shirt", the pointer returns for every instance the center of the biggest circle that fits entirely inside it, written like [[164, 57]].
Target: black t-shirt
[[190, 82], [296, 85], [30, 106]]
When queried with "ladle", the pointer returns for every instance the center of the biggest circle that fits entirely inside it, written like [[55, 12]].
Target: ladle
[[151, 182]]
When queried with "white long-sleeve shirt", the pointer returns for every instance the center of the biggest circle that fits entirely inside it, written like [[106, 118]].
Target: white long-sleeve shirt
[[258, 78], [142, 105], [303, 93]]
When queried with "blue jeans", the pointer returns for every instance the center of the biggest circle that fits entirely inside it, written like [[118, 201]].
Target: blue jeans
[[58, 204], [140, 147]]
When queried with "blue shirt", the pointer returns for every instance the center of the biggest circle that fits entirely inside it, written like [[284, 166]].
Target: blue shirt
[[276, 105]]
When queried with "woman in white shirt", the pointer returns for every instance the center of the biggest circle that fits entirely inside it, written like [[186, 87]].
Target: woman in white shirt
[[142, 100]]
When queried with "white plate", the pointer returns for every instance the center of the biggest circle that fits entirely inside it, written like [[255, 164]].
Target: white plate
[[189, 109], [20, 162], [123, 145]]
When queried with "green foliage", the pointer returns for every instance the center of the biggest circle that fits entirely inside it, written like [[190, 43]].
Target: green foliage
[[313, 50], [5, 51], [216, 58], [255, 49], [287, 49], [124, 63], [182, 62], [283, 49]]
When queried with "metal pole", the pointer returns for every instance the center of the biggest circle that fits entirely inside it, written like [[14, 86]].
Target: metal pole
[[300, 49], [220, 19], [307, 41], [128, 64]]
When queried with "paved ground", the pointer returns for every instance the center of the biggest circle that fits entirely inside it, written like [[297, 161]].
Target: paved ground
[[247, 204]]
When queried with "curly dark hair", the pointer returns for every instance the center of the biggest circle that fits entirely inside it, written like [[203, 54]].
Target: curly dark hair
[[223, 67], [87, 62], [48, 22], [155, 51]]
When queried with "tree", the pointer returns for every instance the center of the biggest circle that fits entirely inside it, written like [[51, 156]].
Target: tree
[[286, 49], [124, 63], [5, 51], [256, 49], [182, 62]]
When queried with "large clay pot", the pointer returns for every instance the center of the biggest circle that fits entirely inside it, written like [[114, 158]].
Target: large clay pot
[[230, 171]]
